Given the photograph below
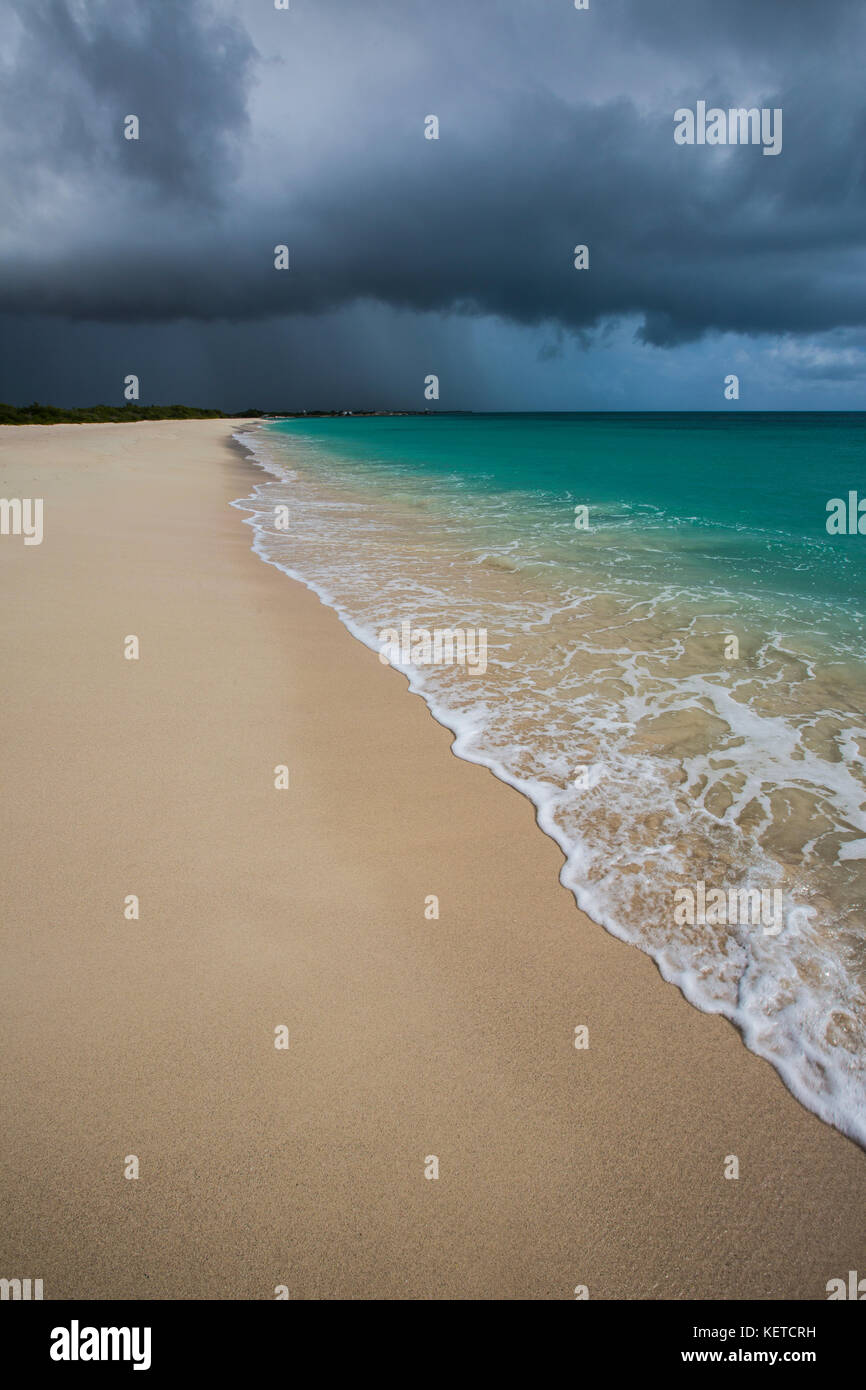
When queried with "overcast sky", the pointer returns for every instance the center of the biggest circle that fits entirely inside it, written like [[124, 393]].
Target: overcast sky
[[411, 256]]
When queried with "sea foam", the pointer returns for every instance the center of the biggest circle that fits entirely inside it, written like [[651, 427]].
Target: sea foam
[[744, 775]]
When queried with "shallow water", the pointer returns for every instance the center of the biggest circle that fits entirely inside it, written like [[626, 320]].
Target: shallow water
[[658, 758]]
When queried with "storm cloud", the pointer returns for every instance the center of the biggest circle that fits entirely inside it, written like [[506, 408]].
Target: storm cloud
[[305, 127]]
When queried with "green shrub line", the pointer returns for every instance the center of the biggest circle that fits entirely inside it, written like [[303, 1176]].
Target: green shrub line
[[36, 414]]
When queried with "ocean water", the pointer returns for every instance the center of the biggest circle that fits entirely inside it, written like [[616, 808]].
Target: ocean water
[[660, 754]]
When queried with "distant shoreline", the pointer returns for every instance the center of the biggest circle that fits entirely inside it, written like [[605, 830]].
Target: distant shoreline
[[37, 414]]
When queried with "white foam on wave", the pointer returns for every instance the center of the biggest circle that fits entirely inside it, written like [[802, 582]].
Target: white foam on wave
[[795, 995]]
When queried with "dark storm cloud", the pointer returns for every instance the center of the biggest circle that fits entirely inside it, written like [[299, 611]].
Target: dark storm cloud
[[80, 68], [766, 27], [552, 134]]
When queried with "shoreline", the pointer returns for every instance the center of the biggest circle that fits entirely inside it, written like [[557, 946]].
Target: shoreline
[[409, 1037], [753, 1029]]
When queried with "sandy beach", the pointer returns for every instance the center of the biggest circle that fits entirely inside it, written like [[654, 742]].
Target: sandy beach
[[408, 1038]]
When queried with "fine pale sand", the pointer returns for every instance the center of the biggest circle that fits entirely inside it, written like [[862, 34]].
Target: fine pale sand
[[408, 1038]]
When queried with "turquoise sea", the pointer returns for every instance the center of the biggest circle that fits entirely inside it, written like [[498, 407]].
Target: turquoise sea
[[675, 672]]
